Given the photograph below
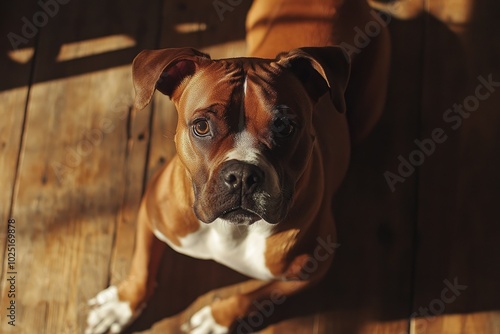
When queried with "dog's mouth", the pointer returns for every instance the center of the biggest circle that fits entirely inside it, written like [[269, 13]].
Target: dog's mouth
[[240, 216]]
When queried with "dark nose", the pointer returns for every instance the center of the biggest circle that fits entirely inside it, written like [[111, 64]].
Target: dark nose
[[240, 175]]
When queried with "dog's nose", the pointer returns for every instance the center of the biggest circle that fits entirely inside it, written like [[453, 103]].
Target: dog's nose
[[240, 175]]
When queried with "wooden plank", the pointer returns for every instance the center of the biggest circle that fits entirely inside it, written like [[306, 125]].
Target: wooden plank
[[133, 169], [197, 23], [13, 94], [369, 288], [73, 173], [460, 184]]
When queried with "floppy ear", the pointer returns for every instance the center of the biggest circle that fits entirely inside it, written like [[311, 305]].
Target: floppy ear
[[163, 70], [321, 69]]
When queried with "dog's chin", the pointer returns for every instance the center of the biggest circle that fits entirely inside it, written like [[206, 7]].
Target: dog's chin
[[240, 216]]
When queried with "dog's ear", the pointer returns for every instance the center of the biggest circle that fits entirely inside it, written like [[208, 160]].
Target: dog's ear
[[163, 70], [321, 69]]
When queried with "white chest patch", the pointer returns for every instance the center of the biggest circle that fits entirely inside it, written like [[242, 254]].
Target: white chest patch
[[241, 248]]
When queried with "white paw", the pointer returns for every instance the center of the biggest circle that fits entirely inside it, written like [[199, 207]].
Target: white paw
[[108, 313], [202, 322]]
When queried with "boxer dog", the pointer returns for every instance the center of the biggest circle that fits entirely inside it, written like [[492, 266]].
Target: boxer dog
[[262, 145]]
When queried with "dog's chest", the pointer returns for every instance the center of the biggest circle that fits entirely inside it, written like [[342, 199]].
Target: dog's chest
[[241, 248]]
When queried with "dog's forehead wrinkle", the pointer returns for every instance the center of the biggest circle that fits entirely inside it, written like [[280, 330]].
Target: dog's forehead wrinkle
[[206, 88], [258, 85], [263, 75]]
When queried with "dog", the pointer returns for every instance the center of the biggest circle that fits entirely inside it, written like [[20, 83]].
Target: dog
[[263, 143]]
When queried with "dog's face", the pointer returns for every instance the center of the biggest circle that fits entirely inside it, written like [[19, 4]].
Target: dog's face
[[245, 131], [244, 134]]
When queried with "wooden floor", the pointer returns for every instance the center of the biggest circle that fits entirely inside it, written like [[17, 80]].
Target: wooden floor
[[74, 159]]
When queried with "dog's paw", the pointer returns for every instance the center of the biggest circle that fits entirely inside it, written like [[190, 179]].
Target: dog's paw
[[108, 313], [203, 322]]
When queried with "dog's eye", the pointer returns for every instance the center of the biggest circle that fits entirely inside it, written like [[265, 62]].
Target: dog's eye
[[283, 127], [201, 128]]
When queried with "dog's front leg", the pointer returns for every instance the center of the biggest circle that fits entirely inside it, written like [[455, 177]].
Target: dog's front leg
[[229, 315], [115, 307]]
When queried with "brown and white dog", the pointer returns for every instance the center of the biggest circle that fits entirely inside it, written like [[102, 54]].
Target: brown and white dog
[[262, 146]]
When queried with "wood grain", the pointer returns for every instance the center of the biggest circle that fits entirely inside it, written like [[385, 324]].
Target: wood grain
[[13, 96], [73, 178], [459, 183]]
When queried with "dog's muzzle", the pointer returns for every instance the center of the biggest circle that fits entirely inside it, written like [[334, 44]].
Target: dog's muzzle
[[240, 193], [241, 178], [242, 186]]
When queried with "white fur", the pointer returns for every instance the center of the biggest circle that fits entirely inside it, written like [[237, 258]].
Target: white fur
[[203, 322], [108, 312], [240, 247], [245, 85], [245, 151], [245, 147]]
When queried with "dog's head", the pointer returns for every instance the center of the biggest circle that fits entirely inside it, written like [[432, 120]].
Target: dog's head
[[245, 130]]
